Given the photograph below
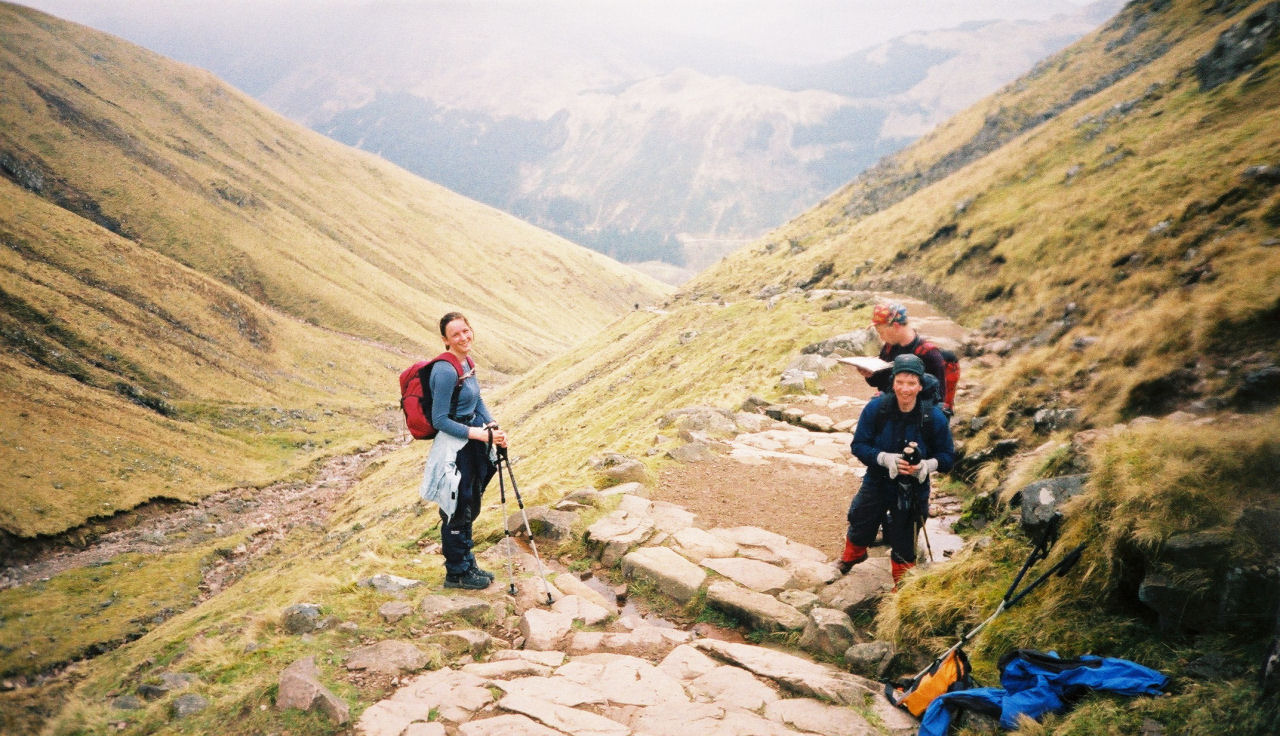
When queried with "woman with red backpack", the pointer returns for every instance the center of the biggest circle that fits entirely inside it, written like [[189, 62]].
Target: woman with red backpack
[[461, 462]]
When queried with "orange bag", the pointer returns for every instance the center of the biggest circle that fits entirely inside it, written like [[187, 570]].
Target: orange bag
[[950, 672]]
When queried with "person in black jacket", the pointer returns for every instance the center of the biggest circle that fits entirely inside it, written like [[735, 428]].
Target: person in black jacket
[[899, 338], [898, 485]]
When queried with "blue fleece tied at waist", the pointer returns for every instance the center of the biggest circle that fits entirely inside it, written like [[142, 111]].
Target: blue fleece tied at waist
[[1036, 683]]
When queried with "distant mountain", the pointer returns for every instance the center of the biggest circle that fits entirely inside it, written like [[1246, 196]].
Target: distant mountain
[[650, 156], [644, 145], [194, 288]]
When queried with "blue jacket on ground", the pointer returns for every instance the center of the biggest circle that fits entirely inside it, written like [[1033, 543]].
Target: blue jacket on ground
[[1036, 683]]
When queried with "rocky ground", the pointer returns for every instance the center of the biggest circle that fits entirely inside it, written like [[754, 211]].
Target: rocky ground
[[579, 654], [722, 524]]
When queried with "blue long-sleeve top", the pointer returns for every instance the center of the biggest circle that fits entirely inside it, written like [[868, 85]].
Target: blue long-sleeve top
[[933, 436], [471, 412]]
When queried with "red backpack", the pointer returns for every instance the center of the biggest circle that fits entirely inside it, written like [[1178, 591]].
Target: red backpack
[[415, 394], [950, 371]]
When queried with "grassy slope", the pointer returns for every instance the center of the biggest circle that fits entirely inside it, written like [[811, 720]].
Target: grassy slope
[[608, 394], [1033, 239], [179, 261]]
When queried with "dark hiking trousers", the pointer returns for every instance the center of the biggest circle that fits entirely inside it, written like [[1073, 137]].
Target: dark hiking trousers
[[867, 512], [455, 533]]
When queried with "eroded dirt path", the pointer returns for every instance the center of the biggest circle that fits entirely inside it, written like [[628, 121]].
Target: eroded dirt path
[[164, 527]]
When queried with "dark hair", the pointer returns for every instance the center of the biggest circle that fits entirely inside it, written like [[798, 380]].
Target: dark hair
[[451, 316]]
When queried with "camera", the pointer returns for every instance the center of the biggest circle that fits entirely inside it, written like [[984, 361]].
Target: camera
[[911, 454]]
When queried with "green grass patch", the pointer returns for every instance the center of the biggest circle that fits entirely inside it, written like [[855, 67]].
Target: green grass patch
[[48, 623]]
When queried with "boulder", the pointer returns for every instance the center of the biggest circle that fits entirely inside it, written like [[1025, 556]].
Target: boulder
[[828, 631], [860, 589], [649, 642], [300, 688], [672, 574], [389, 656], [757, 610], [393, 611], [544, 522], [544, 629], [467, 608], [801, 600], [692, 452], [616, 533], [506, 669], [849, 343], [571, 585], [581, 609], [1041, 500], [754, 574], [626, 470], [1239, 49], [869, 660], [811, 574], [188, 704], [816, 422], [392, 584], [301, 618], [463, 642], [696, 544], [709, 420]]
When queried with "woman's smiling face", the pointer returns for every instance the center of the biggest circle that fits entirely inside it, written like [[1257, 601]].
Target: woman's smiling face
[[458, 336], [906, 386]]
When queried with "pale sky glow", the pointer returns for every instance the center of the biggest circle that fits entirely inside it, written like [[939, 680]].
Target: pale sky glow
[[796, 31]]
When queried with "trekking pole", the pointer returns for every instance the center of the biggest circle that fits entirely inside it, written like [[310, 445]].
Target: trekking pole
[[1041, 551], [503, 459], [506, 531], [1061, 568], [925, 531]]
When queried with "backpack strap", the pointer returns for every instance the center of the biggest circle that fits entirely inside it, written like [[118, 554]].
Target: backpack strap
[[924, 410], [424, 376]]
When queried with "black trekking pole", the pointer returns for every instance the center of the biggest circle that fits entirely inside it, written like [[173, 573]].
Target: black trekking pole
[[507, 542], [504, 460], [928, 548]]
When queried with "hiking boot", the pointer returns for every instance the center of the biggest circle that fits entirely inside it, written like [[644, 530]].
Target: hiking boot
[[898, 570], [482, 571], [470, 580], [852, 555]]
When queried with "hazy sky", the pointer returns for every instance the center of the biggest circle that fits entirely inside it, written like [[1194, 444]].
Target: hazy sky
[[798, 31]]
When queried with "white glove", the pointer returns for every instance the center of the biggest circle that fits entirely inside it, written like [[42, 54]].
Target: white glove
[[890, 462], [926, 466]]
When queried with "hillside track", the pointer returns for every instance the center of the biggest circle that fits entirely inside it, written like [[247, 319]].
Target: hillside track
[[804, 502], [160, 527]]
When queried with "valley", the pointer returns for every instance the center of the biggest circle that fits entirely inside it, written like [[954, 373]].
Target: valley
[[206, 307]]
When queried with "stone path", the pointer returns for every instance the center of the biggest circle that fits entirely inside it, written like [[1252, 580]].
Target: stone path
[[576, 667], [579, 667]]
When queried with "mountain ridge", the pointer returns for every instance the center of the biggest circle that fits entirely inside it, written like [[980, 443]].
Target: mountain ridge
[[189, 261], [492, 104]]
